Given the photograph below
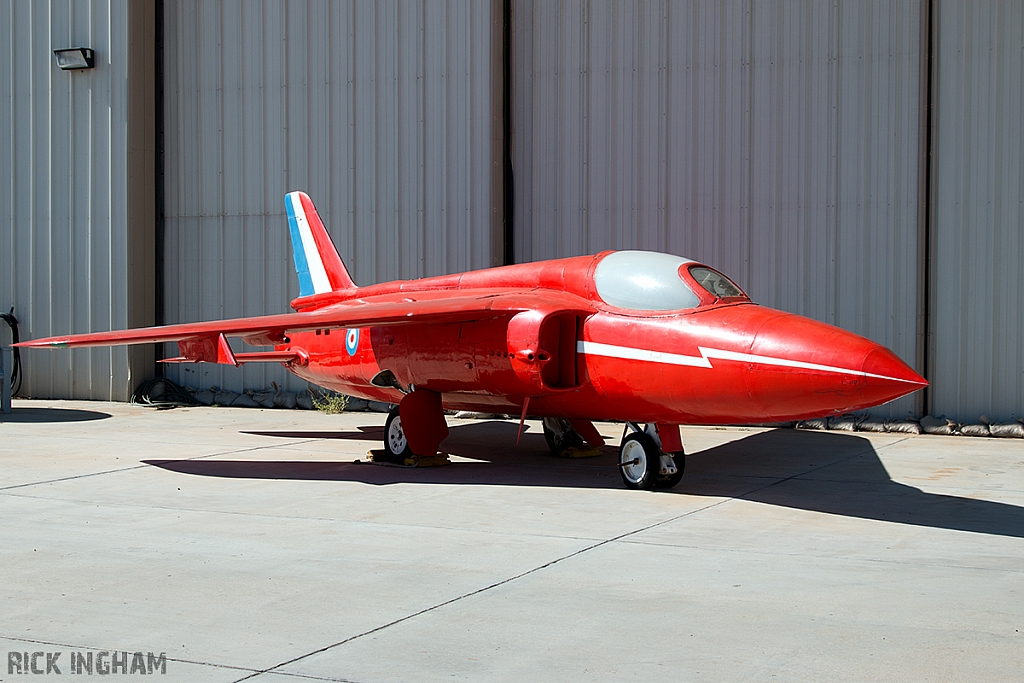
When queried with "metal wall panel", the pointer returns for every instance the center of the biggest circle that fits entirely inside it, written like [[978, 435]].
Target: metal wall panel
[[777, 141], [64, 192], [381, 111], [978, 211]]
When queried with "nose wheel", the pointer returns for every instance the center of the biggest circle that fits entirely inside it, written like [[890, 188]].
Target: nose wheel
[[642, 463]]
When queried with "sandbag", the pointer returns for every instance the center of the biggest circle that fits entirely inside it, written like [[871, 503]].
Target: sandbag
[[844, 423], [1007, 430], [284, 399], [303, 400], [205, 397], [224, 398], [357, 405], [975, 430], [939, 425], [902, 427], [871, 424], [245, 401], [265, 399]]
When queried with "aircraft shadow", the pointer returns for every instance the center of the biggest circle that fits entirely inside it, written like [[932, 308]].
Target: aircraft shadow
[[838, 474], [43, 415], [364, 433], [828, 472]]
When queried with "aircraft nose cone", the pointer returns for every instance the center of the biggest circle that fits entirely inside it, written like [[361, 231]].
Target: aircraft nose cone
[[804, 368], [881, 363], [887, 377]]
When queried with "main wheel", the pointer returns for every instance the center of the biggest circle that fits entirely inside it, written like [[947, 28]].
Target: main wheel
[[667, 481], [396, 446], [560, 435], [639, 461]]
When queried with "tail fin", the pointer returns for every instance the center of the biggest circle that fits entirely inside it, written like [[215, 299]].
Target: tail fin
[[317, 262]]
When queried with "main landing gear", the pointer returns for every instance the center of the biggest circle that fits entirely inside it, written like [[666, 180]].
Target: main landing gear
[[643, 464], [396, 446], [415, 427]]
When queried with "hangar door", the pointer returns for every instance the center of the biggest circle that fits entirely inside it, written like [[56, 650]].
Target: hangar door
[[382, 112], [779, 142]]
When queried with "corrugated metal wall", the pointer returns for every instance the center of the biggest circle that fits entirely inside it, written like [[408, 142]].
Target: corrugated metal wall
[[384, 112], [65, 193], [777, 141], [978, 249]]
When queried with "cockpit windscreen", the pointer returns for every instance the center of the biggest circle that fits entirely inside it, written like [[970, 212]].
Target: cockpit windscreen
[[716, 283]]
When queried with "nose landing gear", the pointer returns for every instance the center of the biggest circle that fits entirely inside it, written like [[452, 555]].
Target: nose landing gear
[[642, 463], [560, 435]]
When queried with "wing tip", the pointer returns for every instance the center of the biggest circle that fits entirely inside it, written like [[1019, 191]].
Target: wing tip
[[42, 343]]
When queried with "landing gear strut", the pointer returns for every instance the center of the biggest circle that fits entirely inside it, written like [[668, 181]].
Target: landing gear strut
[[560, 436], [415, 427], [642, 463]]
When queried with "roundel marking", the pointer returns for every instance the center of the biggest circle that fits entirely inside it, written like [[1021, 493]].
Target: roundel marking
[[352, 341]]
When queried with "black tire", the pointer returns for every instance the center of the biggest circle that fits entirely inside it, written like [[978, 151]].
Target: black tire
[[560, 435], [396, 446], [639, 461], [671, 480]]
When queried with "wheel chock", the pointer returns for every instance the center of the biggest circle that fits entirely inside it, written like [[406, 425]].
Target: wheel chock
[[378, 456], [428, 460], [580, 452]]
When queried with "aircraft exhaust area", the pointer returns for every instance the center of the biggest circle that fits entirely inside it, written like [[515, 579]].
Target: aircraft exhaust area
[[247, 544]]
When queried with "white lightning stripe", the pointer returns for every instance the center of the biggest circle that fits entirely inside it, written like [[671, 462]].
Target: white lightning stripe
[[706, 354], [317, 272], [597, 349]]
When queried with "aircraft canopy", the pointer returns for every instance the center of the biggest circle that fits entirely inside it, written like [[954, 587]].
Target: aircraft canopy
[[644, 281], [651, 281]]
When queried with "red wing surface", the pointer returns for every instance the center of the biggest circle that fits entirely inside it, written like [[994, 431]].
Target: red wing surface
[[436, 306]]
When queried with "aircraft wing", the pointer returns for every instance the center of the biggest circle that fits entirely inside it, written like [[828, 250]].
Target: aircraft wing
[[401, 308]]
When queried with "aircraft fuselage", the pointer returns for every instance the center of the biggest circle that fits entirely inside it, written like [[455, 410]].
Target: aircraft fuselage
[[726, 362]]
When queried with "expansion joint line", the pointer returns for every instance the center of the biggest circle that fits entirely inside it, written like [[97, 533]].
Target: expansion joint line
[[594, 546], [478, 591], [139, 467], [178, 660]]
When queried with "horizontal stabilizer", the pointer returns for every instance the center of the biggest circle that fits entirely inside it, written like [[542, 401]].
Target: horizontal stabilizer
[[213, 348]]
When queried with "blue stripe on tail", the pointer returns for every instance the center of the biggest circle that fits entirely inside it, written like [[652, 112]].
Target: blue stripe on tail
[[299, 252]]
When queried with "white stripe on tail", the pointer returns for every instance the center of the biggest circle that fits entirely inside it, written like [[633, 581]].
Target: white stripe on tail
[[317, 262]]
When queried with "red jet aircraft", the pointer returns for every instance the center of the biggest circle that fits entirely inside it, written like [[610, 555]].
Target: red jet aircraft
[[642, 337]]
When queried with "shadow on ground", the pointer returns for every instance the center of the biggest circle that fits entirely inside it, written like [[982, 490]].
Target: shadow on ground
[[365, 432], [42, 415], [839, 474]]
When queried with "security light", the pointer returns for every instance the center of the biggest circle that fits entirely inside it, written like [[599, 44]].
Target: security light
[[74, 58]]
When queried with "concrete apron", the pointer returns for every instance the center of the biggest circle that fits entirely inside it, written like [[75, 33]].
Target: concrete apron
[[249, 544]]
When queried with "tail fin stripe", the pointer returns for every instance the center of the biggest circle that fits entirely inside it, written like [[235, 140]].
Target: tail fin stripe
[[337, 274], [299, 254], [310, 267]]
